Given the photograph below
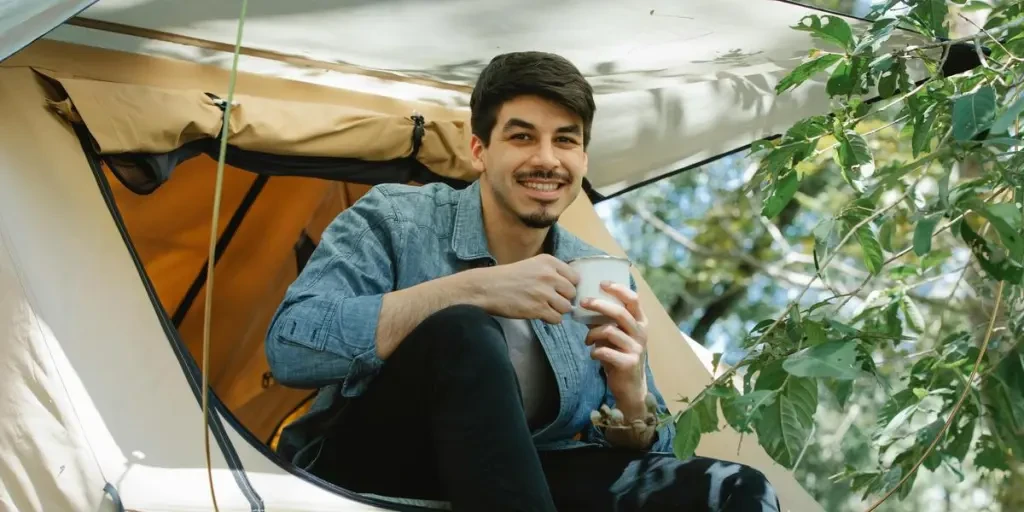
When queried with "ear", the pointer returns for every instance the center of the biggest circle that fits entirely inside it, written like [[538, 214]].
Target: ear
[[476, 149]]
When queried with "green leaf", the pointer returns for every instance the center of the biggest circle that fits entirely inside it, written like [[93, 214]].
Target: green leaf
[[707, 413], [833, 359], [741, 411], [888, 82], [872, 251], [880, 31], [935, 258], [803, 136], [782, 193], [893, 407], [885, 234], [1002, 391], [923, 123], [915, 320], [843, 389], [960, 441], [881, 9], [992, 259], [830, 28], [760, 145], [903, 271], [780, 159], [932, 15], [805, 71], [815, 332], [924, 437], [1009, 213], [990, 455], [944, 188], [973, 113], [1006, 218], [1003, 123], [923, 234], [854, 152], [893, 325], [786, 423], [687, 435], [841, 82], [903, 77]]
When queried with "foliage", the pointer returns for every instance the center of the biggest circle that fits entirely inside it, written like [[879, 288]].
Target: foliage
[[939, 209]]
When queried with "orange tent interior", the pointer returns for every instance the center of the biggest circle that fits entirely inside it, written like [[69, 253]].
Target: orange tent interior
[[250, 278]]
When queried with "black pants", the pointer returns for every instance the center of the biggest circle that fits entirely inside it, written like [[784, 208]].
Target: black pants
[[444, 420]]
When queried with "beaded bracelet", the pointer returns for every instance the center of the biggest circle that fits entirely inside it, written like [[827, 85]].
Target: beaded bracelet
[[636, 434]]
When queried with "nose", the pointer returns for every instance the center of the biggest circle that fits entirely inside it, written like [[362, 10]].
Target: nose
[[544, 157]]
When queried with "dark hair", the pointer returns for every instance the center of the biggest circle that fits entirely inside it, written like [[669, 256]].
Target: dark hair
[[541, 74]]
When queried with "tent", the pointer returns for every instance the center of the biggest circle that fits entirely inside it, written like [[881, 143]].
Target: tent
[[106, 191]]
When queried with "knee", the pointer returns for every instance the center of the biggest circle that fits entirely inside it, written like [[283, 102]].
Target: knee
[[754, 484], [466, 334]]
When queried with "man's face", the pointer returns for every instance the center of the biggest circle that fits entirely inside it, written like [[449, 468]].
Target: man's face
[[535, 163]]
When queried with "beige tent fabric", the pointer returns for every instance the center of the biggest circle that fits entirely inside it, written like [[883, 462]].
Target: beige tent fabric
[[131, 118], [147, 402], [45, 460]]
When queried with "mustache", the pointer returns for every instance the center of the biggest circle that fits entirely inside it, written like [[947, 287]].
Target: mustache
[[543, 174]]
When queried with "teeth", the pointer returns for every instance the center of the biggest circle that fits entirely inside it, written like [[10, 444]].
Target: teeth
[[547, 187]]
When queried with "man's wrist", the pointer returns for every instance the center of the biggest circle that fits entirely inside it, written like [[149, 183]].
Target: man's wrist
[[468, 290], [634, 406]]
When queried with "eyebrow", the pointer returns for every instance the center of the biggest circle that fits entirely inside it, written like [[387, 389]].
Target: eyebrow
[[515, 122]]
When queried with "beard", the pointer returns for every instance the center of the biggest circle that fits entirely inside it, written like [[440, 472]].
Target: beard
[[538, 220], [542, 217]]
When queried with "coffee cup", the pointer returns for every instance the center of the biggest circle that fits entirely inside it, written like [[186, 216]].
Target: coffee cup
[[593, 270]]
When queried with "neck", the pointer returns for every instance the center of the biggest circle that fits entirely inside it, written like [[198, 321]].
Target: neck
[[508, 239]]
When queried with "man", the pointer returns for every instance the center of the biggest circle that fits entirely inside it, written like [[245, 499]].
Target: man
[[437, 323]]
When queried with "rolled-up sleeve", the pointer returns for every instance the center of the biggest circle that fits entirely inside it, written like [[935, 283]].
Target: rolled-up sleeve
[[324, 332]]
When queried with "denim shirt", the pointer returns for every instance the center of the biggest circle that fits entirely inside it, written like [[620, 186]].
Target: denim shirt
[[322, 336]]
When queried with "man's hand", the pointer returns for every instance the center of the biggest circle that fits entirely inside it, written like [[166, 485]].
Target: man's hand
[[621, 347], [541, 287]]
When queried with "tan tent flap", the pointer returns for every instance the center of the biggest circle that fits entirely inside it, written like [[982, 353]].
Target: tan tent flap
[[128, 118]]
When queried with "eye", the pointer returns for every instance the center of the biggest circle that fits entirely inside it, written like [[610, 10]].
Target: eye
[[566, 140], [520, 136]]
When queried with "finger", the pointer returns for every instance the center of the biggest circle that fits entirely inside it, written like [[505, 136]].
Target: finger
[[560, 304], [618, 313], [613, 337], [630, 299], [565, 288], [614, 358], [551, 316], [567, 272]]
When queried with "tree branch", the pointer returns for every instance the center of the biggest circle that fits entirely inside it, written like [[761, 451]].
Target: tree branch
[[977, 44], [956, 408], [953, 42]]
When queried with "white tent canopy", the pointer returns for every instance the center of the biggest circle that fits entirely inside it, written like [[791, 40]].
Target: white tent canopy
[[98, 387], [678, 83]]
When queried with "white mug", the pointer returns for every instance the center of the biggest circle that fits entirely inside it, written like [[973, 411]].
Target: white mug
[[593, 270]]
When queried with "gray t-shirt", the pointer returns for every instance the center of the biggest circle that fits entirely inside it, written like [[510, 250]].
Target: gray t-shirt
[[536, 379]]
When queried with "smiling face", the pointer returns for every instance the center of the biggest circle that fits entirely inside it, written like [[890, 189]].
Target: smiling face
[[533, 167]]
